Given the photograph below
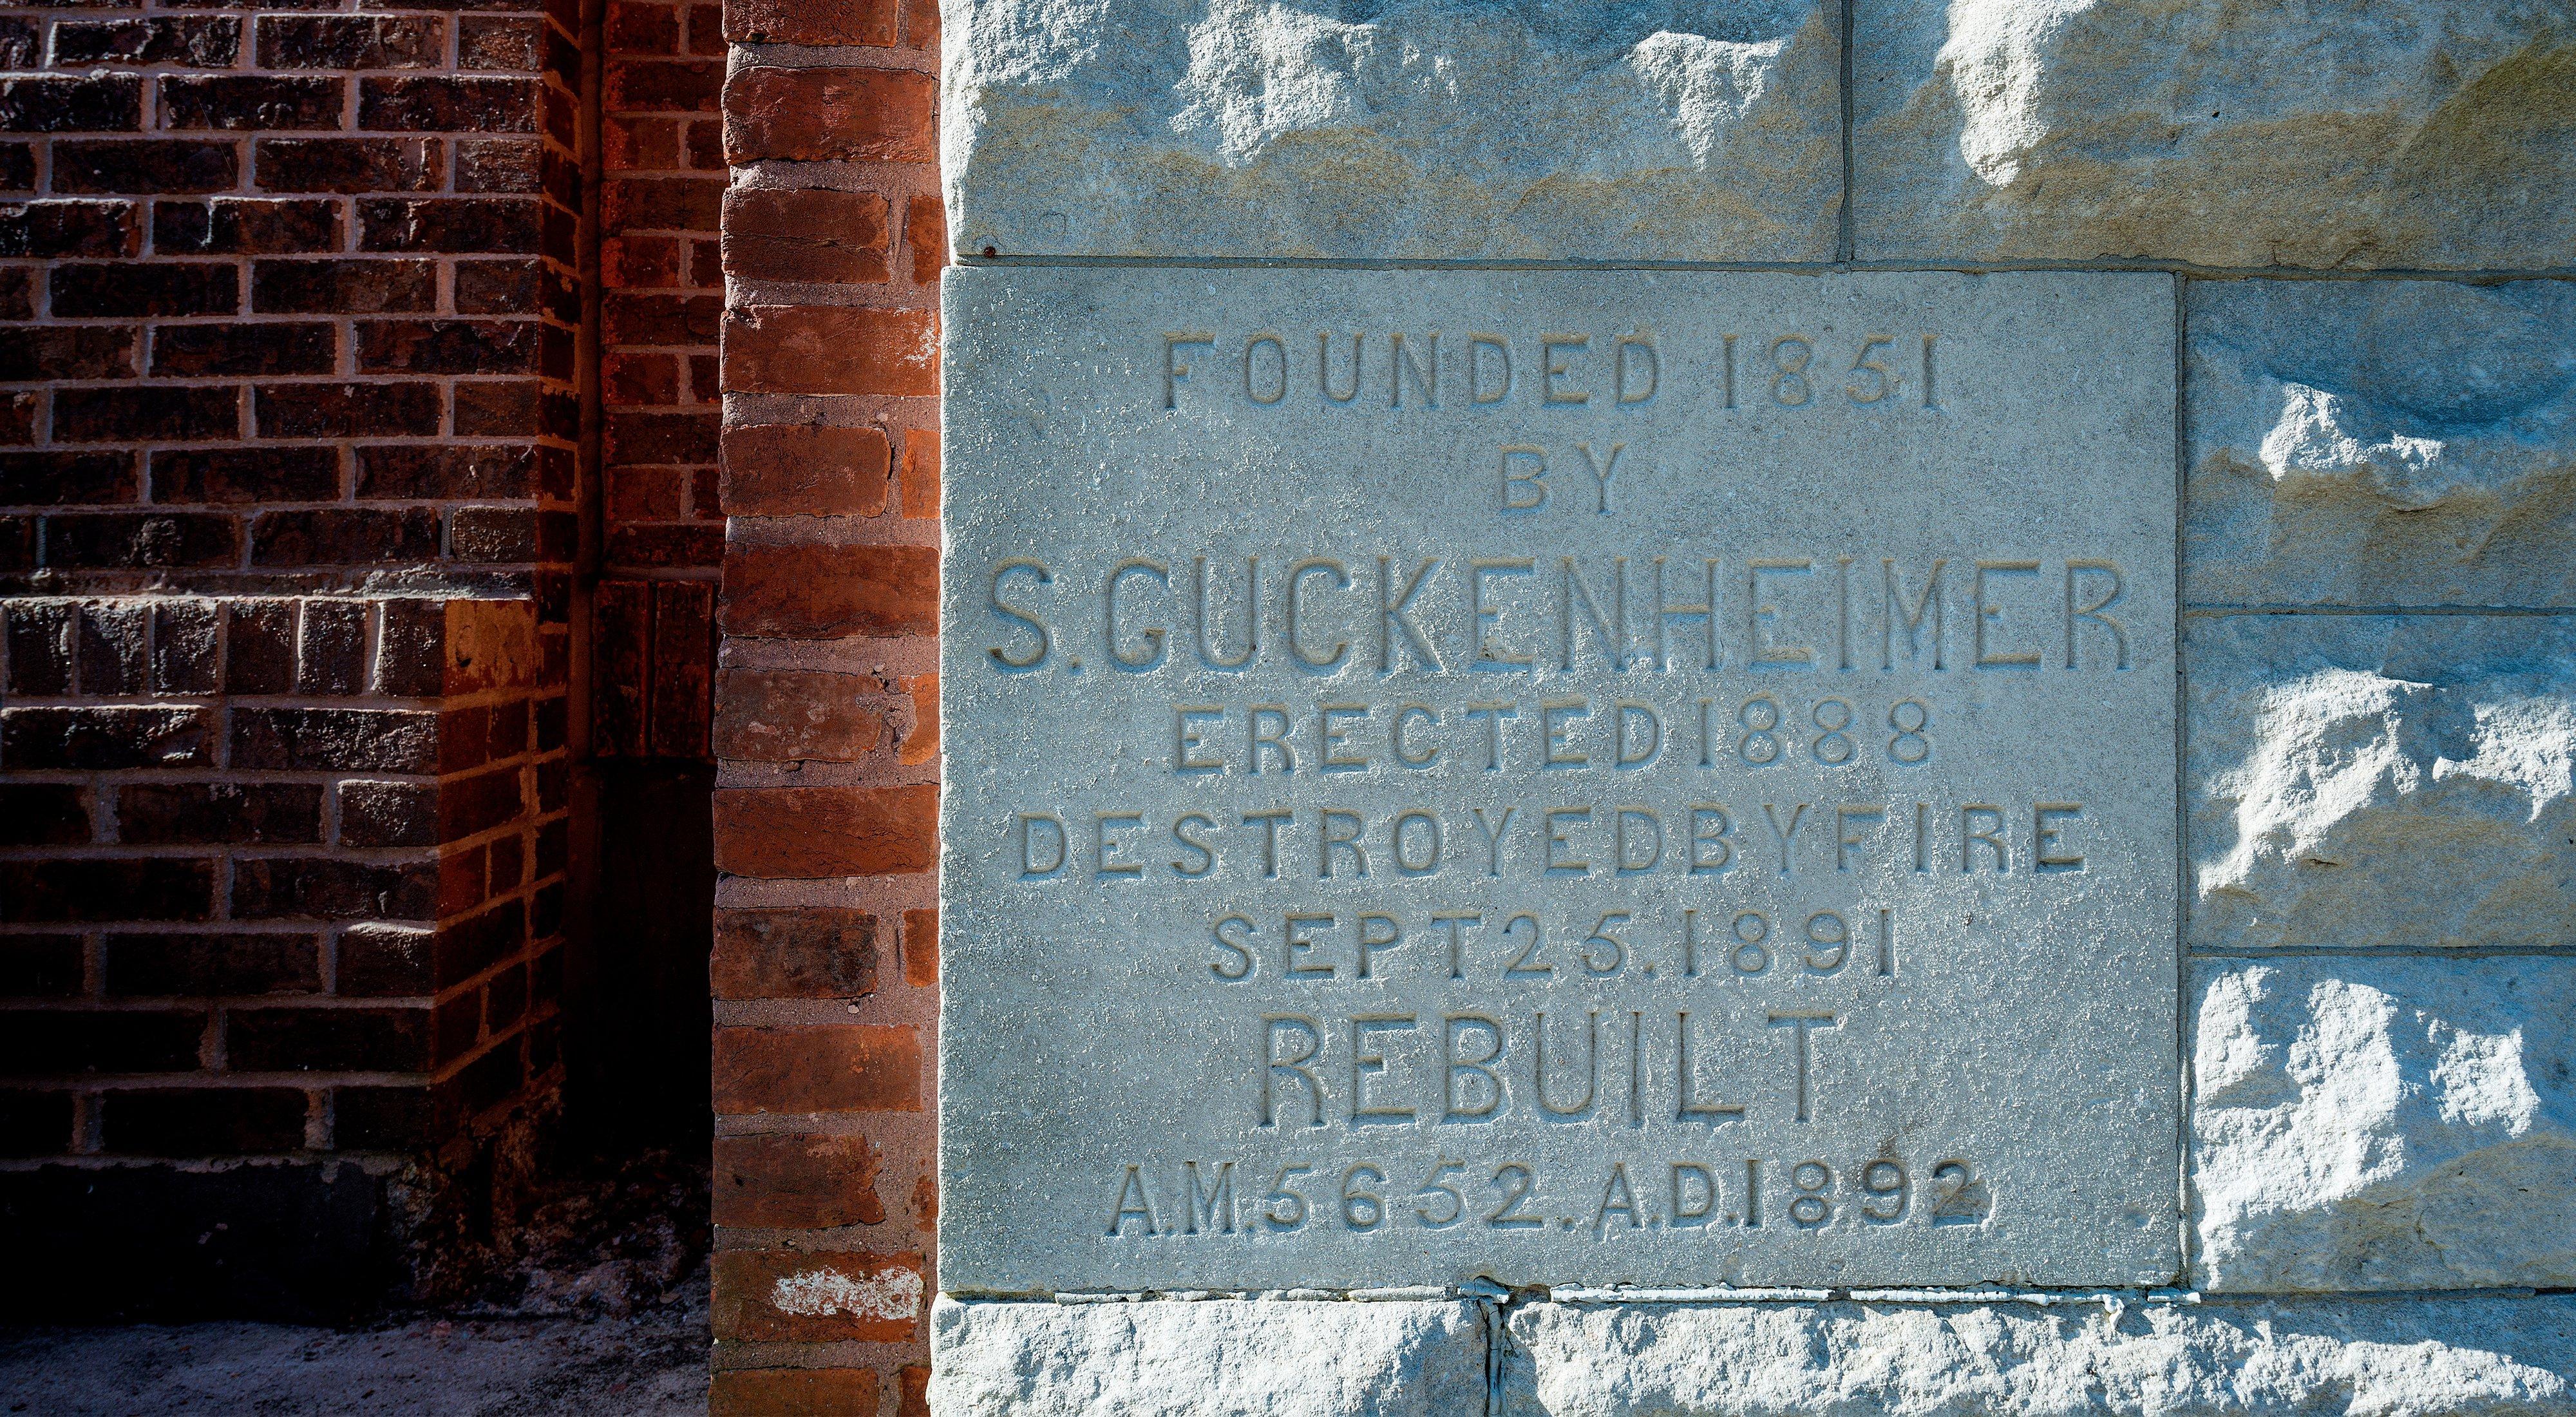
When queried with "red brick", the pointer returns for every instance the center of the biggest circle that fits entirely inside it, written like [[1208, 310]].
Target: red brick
[[192, 40], [355, 287], [921, 472], [662, 203], [683, 661], [353, 165], [68, 352], [151, 966], [921, 948], [796, 1182], [793, 1392], [50, 104], [804, 234], [778, 470], [103, 739], [43, 814], [235, 226], [448, 104], [805, 833], [913, 1396], [780, 715], [815, 1296], [921, 740], [925, 232], [220, 812], [815, 22], [238, 102], [236, 475], [139, 413], [876, 115], [794, 954], [688, 86], [347, 410], [55, 479], [352, 42], [148, 166], [826, 591], [831, 1068]]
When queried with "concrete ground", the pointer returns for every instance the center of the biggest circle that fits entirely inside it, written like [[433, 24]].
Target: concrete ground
[[651, 1363]]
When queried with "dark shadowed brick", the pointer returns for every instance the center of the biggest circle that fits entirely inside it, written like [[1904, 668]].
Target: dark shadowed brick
[[34, 1123], [144, 166], [202, 1121], [49, 229], [22, 43], [501, 287], [348, 165], [662, 319], [266, 348], [109, 104], [347, 410], [500, 407], [220, 812], [481, 227], [372, 1040], [352, 42], [148, 888], [511, 43], [236, 475], [178, 288], [259, 642], [138, 539], [17, 167], [135, 413], [499, 165], [34, 1044], [448, 105], [66, 479], [447, 346], [331, 889], [212, 965], [40, 966], [331, 648], [445, 472], [251, 228], [42, 814], [354, 287], [110, 647], [335, 740], [94, 739], [67, 352], [245, 101], [389, 961], [186, 647], [39, 637], [191, 41], [496, 535], [337, 536]]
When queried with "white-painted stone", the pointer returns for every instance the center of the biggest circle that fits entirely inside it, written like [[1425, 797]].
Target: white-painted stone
[[2381, 443], [2340, 134], [2384, 1123], [1922, 953], [1206, 1358], [2425, 1358], [1678, 130], [2357, 780]]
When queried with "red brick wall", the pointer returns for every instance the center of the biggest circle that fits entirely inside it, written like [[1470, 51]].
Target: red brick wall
[[826, 718], [290, 485], [663, 537]]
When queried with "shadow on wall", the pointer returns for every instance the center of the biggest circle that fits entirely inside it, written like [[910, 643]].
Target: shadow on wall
[[636, 999]]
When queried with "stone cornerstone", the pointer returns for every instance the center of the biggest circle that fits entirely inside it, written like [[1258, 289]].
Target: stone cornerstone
[[1695, 709]]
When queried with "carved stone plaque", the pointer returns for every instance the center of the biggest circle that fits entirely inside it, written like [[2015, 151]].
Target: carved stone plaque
[[1573, 777]]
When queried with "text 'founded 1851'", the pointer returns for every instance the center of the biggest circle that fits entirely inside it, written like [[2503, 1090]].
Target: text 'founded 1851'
[[1601, 777]]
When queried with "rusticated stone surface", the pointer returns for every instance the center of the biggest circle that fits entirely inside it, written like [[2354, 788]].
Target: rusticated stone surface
[[2380, 780], [2451, 1357], [1679, 130], [2381, 443], [2343, 134], [1208, 1358], [2384, 1123]]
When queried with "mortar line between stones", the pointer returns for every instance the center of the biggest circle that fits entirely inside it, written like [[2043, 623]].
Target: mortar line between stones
[[1846, 235], [2184, 1238], [2483, 276]]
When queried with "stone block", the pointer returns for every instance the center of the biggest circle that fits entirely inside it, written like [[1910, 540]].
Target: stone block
[[1419, 128], [2380, 443], [2383, 1123], [1208, 1358], [2340, 135], [2441, 1356], [2371, 780]]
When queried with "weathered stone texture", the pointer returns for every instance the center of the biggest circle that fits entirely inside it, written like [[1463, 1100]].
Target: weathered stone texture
[[1681, 130], [2372, 780], [1208, 1358], [2391, 1359], [2384, 1123], [2381, 443], [2345, 134]]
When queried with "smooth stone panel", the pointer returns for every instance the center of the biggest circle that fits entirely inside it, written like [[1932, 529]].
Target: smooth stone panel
[[2384, 1123], [2371, 134], [1697, 806], [2380, 443], [2425, 1358], [1683, 130], [2375, 780], [1207, 1358]]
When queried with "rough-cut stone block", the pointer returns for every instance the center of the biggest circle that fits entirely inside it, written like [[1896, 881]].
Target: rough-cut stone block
[[2380, 1123], [1418, 128], [2381, 780], [2444, 1356], [2344, 134], [1209, 1358], [2370, 443]]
